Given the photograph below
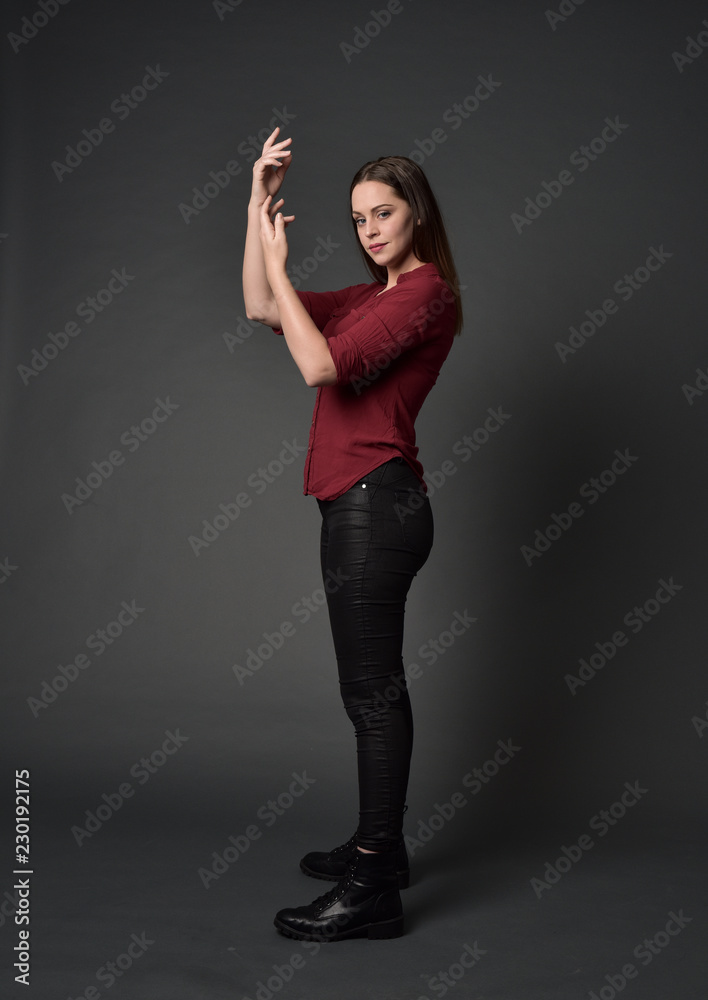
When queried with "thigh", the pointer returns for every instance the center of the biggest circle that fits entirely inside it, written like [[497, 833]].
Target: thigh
[[375, 538]]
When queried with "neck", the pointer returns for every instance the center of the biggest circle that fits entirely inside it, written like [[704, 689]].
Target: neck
[[394, 271]]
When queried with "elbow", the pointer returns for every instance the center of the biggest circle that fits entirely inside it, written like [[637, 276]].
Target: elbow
[[252, 316], [316, 379]]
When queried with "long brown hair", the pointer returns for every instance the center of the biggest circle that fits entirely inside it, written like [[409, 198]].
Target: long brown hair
[[430, 242]]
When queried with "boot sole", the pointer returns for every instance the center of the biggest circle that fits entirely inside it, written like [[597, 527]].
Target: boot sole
[[375, 932], [403, 877]]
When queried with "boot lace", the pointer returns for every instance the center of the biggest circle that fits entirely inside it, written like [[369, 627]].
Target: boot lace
[[345, 848], [336, 893]]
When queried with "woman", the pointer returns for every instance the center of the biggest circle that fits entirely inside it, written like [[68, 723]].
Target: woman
[[374, 352]]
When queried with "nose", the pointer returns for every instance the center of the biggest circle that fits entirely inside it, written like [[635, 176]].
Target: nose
[[371, 229]]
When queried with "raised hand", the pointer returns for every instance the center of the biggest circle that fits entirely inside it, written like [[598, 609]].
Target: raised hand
[[267, 181], [273, 240]]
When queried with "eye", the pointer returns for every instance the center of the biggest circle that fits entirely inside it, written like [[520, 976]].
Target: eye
[[384, 212]]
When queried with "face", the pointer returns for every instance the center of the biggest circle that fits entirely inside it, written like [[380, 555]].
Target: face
[[384, 222]]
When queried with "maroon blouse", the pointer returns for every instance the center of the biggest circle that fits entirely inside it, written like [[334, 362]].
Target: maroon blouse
[[388, 349]]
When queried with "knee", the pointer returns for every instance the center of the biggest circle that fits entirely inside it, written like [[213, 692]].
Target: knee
[[377, 708]]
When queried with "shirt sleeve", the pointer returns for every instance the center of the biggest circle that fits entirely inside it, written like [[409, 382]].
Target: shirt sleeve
[[321, 305], [404, 318]]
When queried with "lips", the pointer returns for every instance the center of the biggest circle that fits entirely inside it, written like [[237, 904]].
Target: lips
[[376, 246]]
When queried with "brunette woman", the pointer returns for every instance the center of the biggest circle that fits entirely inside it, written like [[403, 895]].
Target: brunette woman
[[373, 351]]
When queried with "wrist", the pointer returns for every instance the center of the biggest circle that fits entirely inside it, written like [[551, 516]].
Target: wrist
[[280, 283]]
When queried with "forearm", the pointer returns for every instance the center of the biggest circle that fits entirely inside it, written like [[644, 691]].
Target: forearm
[[305, 342], [257, 293]]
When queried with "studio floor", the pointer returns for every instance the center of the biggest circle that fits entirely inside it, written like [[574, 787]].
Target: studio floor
[[128, 915]]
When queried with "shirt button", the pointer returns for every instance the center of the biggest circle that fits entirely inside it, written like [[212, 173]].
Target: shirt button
[[363, 486]]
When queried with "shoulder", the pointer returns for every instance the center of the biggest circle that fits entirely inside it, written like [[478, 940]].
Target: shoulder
[[417, 288]]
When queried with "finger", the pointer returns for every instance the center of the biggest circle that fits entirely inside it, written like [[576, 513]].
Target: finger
[[270, 145], [272, 134], [265, 215], [272, 159]]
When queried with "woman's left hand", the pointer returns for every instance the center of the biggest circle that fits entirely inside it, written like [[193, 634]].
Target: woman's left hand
[[273, 239]]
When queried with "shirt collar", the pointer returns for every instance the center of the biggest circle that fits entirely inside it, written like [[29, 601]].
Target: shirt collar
[[420, 269], [413, 273]]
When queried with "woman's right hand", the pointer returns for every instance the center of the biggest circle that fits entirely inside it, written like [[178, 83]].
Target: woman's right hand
[[267, 181]]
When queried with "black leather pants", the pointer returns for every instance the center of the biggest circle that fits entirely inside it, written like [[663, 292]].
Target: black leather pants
[[375, 538]]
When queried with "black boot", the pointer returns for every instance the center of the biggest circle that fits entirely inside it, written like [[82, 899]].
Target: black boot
[[333, 864], [365, 903]]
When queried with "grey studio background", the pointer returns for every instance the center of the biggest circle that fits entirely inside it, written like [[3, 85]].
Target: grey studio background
[[169, 680]]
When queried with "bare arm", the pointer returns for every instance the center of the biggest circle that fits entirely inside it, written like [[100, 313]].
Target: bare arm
[[257, 293], [305, 342]]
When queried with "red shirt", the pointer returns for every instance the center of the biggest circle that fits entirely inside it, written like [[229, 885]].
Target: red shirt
[[388, 350]]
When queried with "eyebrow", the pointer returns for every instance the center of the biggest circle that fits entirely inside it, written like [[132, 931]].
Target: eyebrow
[[386, 204]]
